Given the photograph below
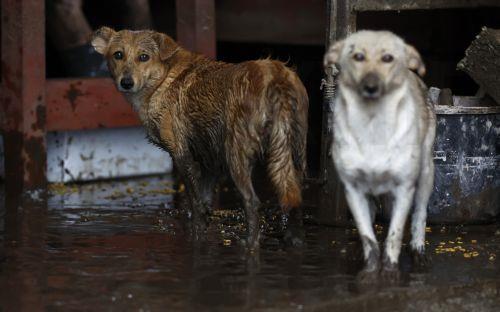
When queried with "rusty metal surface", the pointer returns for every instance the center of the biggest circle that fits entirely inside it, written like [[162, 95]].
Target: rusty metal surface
[[23, 92], [196, 26], [77, 104]]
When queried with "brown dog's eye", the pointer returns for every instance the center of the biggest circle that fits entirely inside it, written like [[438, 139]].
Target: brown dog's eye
[[118, 55], [387, 58], [143, 57], [358, 57]]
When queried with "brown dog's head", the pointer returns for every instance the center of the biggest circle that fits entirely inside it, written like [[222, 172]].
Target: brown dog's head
[[135, 58], [373, 63]]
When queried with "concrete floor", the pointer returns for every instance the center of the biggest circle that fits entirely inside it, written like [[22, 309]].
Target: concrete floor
[[122, 246]]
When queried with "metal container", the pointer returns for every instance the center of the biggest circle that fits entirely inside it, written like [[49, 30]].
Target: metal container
[[466, 157]]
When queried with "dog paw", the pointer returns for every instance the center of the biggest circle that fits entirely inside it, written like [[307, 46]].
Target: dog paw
[[251, 244], [294, 238], [390, 274], [367, 277], [420, 259]]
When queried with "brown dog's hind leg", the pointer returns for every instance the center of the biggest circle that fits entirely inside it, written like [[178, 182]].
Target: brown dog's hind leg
[[241, 172], [293, 225]]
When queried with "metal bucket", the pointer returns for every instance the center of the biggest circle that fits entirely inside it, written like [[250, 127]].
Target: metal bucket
[[467, 158]]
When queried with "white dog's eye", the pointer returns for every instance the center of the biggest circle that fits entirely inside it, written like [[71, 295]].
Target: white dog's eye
[[143, 57], [358, 57], [387, 58]]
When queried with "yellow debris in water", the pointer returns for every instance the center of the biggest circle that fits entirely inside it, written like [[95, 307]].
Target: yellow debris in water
[[473, 241], [61, 188], [428, 230], [227, 242], [492, 257], [475, 253], [181, 188], [467, 255]]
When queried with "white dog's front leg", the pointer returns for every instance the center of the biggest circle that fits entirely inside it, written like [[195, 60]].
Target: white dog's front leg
[[358, 204], [403, 199]]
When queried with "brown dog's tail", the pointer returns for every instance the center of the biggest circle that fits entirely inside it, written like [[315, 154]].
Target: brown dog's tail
[[286, 161]]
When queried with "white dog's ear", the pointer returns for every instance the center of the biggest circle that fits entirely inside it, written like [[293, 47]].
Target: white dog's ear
[[166, 45], [414, 61], [100, 39], [332, 56]]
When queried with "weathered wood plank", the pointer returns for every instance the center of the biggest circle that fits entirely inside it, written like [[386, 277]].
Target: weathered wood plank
[[23, 93], [482, 62], [396, 5], [78, 104]]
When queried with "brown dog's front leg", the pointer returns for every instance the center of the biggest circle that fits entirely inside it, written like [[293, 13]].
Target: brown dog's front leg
[[191, 175]]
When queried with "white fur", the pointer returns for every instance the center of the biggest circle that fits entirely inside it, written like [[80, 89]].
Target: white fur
[[384, 147]]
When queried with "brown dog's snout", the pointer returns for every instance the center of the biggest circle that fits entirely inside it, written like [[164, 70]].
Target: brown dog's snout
[[127, 83], [371, 86]]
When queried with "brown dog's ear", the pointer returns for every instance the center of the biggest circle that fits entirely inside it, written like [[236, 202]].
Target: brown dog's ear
[[332, 56], [166, 45], [100, 39], [414, 61]]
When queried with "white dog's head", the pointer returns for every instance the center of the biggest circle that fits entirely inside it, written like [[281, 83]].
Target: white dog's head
[[373, 63]]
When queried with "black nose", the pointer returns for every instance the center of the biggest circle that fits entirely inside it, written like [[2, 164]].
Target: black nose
[[370, 86], [127, 83]]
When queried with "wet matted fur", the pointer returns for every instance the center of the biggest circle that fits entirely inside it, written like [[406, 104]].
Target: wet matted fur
[[213, 116]]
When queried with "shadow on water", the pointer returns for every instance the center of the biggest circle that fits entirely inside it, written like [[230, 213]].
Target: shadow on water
[[122, 246]]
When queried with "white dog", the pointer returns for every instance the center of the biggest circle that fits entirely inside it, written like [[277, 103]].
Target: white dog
[[383, 136]]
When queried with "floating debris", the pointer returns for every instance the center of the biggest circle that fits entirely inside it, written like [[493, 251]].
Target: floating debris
[[61, 189]]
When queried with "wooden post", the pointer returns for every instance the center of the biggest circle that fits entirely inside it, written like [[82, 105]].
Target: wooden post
[[332, 206], [196, 26], [23, 93]]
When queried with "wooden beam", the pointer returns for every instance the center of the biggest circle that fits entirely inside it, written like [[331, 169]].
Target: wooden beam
[[332, 205], [23, 93], [89, 103], [196, 26], [398, 5]]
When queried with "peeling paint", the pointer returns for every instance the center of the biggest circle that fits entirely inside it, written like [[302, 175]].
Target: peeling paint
[[72, 95], [103, 154]]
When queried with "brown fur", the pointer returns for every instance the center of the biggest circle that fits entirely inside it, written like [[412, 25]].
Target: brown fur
[[213, 116]]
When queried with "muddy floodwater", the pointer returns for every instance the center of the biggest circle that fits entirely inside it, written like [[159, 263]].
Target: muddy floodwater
[[123, 246]]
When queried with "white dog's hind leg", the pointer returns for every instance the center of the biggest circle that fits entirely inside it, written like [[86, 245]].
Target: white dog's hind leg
[[403, 199], [419, 217], [360, 209]]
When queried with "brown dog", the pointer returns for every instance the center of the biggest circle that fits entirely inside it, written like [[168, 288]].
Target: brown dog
[[211, 116]]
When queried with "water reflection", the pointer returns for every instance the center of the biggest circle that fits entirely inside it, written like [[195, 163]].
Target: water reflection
[[89, 249]]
